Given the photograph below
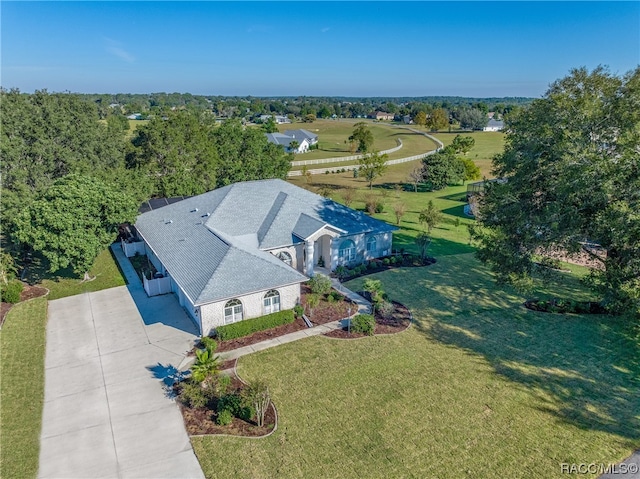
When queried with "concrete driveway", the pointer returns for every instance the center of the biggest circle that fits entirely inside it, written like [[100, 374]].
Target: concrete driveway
[[106, 413]]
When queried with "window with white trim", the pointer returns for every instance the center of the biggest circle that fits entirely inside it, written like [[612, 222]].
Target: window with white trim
[[372, 244], [347, 251], [232, 311], [284, 257], [271, 302]]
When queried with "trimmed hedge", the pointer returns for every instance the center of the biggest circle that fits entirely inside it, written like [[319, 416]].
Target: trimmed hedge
[[363, 323], [11, 291], [249, 326]]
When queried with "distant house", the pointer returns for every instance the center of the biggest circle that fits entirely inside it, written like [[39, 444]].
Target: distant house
[[494, 125], [382, 115], [407, 120], [279, 119], [135, 116], [241, 251], [301, 134], [286, 140]]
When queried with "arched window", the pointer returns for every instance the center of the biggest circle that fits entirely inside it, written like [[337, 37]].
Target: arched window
[[347, 251], [372, 244], [232, 311], [284, 257], [271, 302]]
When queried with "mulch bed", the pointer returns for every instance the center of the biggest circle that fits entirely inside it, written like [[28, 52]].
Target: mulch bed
[[325, 312], [398, 322], [29, 292], [200, 421]]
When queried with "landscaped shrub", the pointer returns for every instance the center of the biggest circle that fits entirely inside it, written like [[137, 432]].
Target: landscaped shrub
[[320, 284], [379, 207], [224, 418], [386, 309], [248, 326], [336, 296], [231, 403], [386, 261], [192, 394], [341, 272], [209, 343], [393, 260], [247, 413], [11, 291], [298, 309], [363, 323]]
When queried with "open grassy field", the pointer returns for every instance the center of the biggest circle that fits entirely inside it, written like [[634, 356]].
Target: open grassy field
[[65, 283], [488, 143], [22, 348], [333, 134], [480, 387]]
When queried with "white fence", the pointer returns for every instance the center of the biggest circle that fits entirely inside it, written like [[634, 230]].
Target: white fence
[[130, 249], [319, 171], [339, 159], [157, 286]]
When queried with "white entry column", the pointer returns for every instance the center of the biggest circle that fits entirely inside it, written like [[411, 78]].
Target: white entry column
[[308, 267]]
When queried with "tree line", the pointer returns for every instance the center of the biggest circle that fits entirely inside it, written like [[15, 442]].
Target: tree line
[[250, 108], [69, 178]]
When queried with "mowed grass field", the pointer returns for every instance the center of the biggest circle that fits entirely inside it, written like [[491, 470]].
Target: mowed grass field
[[333, 135], [479, 387]]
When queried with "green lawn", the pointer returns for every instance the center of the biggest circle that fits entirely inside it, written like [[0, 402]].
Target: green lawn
[[22, 345], [480, 387], [66, 283], [332, 135]]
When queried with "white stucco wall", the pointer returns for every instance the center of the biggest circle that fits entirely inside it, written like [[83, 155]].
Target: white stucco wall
[[383, 247], [212, 314]]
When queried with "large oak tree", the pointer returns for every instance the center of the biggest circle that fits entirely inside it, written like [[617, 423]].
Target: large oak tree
[[74, 220], [572, 170]]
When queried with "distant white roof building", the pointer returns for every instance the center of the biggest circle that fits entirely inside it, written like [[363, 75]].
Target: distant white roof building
[[279, 119], [494, 125], [304, 138]]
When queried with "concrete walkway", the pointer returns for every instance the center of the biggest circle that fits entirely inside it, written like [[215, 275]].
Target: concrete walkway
[[363, 307], [106, 413]]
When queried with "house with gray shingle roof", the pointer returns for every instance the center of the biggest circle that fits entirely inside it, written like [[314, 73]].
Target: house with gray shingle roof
[[243, 250], [303, 138]]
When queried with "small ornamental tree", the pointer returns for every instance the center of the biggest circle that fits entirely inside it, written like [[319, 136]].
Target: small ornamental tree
[[399, 209], [372, 166], [320, 284], [312, 301], [74, 220], [422, 242], [257, 396], [430, 216]]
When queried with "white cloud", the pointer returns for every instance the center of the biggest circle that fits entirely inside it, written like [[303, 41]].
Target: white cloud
[[116, 48]]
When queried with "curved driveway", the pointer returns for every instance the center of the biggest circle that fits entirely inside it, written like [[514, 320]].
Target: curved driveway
[[106, 413]]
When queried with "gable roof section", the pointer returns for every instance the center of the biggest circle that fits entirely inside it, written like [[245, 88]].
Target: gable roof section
[[301, 134], [215, 245]]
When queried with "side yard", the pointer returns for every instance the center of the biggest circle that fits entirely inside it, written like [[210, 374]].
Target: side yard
[[22, 344], [479, 387]]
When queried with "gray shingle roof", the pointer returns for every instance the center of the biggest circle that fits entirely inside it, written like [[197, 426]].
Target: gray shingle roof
[[214, 244], [301, 134]]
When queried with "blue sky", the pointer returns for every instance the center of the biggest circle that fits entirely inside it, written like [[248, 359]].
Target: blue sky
[[478, 49]]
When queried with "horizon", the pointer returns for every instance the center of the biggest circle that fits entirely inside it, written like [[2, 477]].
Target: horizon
[[317, 49]]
